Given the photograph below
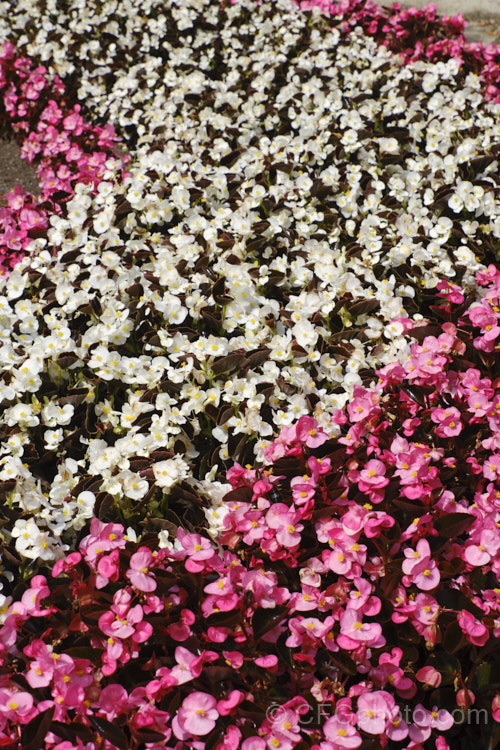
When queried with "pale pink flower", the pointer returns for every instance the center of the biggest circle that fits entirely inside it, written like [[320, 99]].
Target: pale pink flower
[[373, 711], [15, 704], [341, 733], [353, 631], [139, 573], [196, 717]]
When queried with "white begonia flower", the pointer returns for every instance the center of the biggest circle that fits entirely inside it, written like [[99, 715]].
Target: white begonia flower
[[85, 503], [170, 472], [106, 461], [102, 221], [34, 543], [22, 415], [53, 414], [52, 438], [305, 334], [133, 485], [5, 602]]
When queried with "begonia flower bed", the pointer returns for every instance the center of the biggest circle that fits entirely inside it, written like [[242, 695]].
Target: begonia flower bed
[[250, 395]]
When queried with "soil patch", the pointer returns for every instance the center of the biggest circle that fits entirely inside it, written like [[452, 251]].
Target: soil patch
[[15, 171]]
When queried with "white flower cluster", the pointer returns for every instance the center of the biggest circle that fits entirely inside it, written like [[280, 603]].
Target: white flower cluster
[[293, 193]]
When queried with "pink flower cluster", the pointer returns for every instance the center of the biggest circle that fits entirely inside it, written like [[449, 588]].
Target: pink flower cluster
[[54, 134]]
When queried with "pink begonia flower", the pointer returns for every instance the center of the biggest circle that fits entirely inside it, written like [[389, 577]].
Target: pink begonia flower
[[30, 218], [465, 698], [420, 568], [491, 467], [387, 672], [373, 475], [139, 574], [15, 704], [485, 318], [103, 537], [495, 707], [253, 743], [371, 479], [33, 597], [188, 667], [426, 576], [481, 554], [285, 521], [65, 564], [196, 717], [267, 662], [341, 733], [107, 569], [425, 721], [123, 622], [429, 676], [448, 421], [200, 550], [45, 664], [233, 658], [307, 629], [360, 598], [353, 632], [309, 433], [113, 700], [473, 629], [302, 491], [222, 587], [181, 630], [231, 740], [452, 292], [226, 706], [373, 711]]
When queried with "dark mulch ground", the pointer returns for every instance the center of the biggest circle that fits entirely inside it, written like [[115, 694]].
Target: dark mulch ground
[[15, 171]]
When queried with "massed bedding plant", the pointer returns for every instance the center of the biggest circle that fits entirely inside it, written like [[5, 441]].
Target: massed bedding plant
[[295, 201], [349, 600], [186, 313]]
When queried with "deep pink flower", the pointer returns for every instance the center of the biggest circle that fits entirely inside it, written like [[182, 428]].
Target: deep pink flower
[[473, 629], [309, 433], [227, 705], [286, 523], [113, 701]]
